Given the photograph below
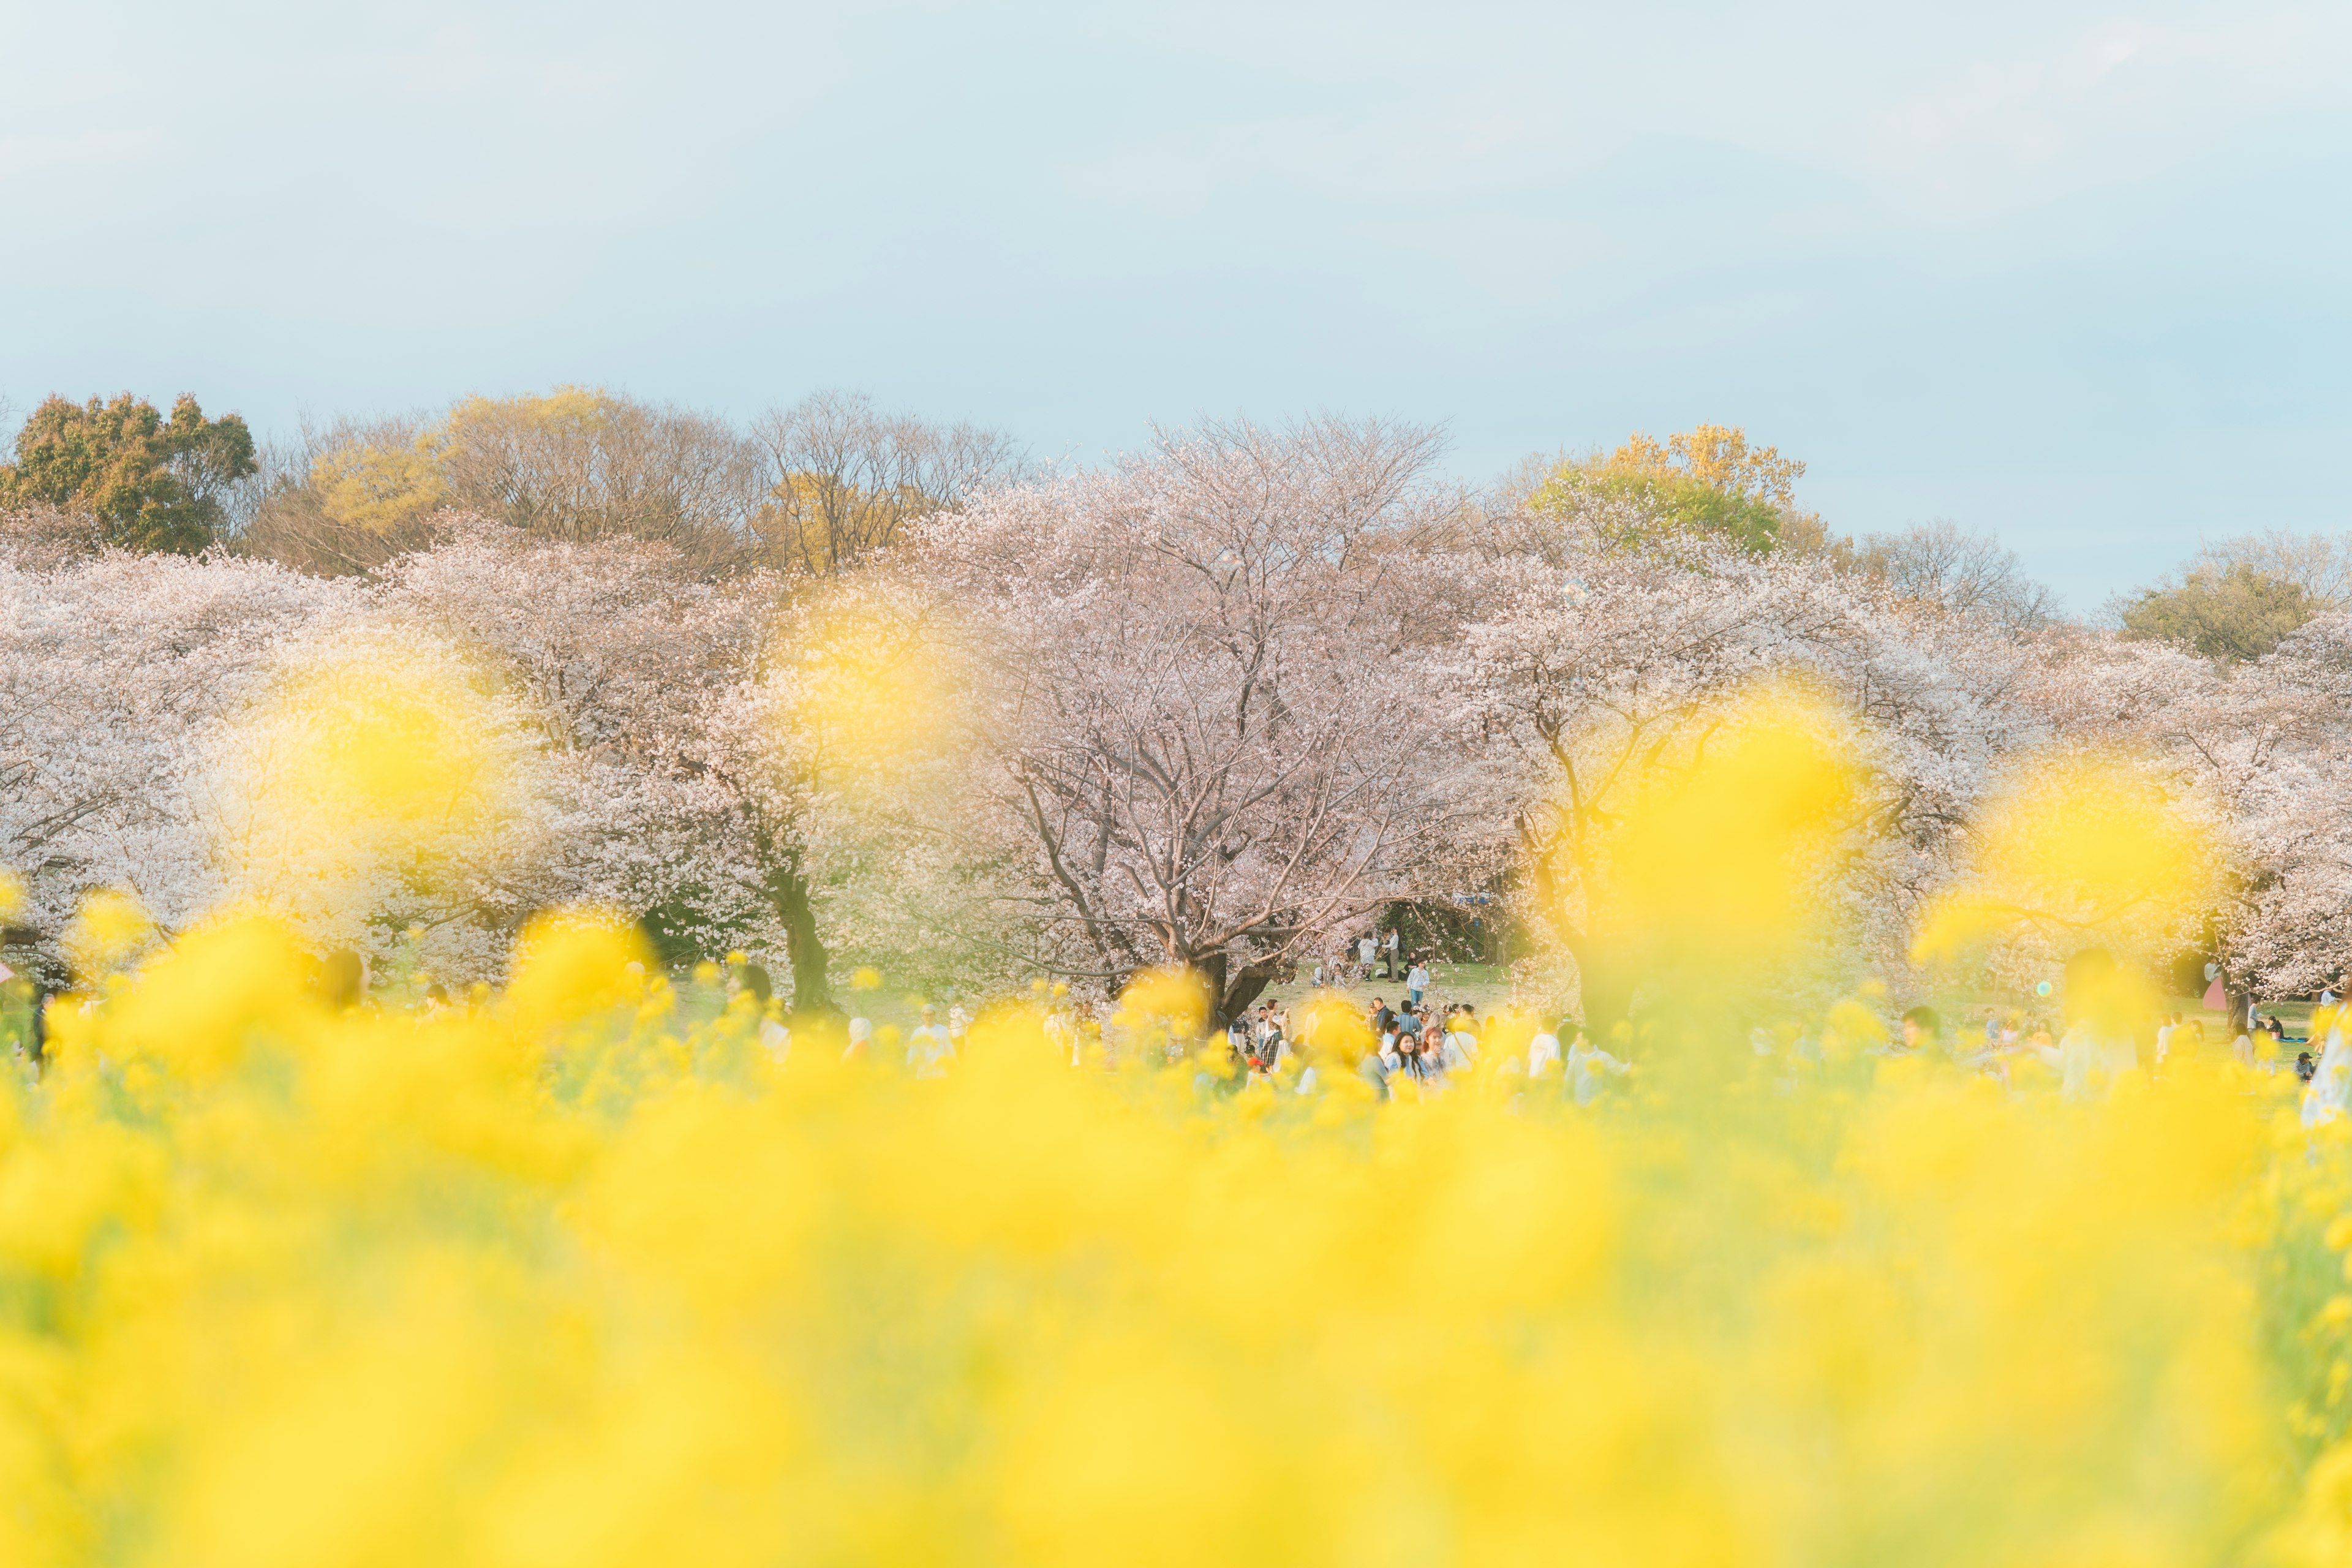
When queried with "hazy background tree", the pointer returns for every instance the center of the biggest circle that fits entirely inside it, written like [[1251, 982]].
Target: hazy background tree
[[575, 465], [151, 483], [841, 478], [345, 498], [580, 464], [1960, 571], [2318, 563], [810, 489]]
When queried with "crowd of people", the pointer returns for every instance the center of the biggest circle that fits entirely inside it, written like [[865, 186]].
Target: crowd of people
[[2087, 1059], [1415, 1047], [1420, 1046]]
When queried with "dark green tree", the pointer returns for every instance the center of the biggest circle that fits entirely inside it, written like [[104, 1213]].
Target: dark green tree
[[152, 483]]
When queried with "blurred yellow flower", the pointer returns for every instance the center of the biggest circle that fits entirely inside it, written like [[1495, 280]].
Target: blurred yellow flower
[[110, 926]]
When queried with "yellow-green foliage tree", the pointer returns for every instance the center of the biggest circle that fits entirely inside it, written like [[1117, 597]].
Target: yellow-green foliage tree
[[1706, 481], [576, 465], [2225, 610], [151, 483], [581, 464], [811, 489], [381, 488]]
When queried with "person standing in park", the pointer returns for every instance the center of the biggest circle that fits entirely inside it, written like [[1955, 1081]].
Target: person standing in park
[[1366, 949], [1458, 1047], [1389, 956], [928, 1049], [2330, 1094], [1543, 1051], [752, 980], [1588, 1069]]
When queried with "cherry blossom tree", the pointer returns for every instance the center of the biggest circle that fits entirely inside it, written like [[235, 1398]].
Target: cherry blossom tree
[[2290, 797], [2266, 747], [620, 653], [116, 673], [1210, 672], [1596, 671], [381, 790], [731, 764], [850, 749]]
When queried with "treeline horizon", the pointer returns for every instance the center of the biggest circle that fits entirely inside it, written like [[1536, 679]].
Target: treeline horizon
[[811, 488], [851, 690]]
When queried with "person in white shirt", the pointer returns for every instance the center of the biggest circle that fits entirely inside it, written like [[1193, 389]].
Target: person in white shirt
[[1365, 948], [1388, 964], [2088, 1065], [928, 1048], [1416, 983], [1459, 1051], [1543, 1054], [2330, 1094], [1588, 1068], [1061, 1033]]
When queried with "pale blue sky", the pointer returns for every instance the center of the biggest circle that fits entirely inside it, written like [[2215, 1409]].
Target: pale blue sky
[[2076, 274]]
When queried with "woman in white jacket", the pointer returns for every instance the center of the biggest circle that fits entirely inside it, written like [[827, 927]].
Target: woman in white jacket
[[2330, 1094], [1588, 1069]]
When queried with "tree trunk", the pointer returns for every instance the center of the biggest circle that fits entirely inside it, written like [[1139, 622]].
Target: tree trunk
[[37, 1027], [788, 892], [1230, 990], [1606, 989], [1243, 988]]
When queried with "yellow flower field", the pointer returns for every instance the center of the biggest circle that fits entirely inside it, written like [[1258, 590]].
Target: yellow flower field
[[578, 1275]]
